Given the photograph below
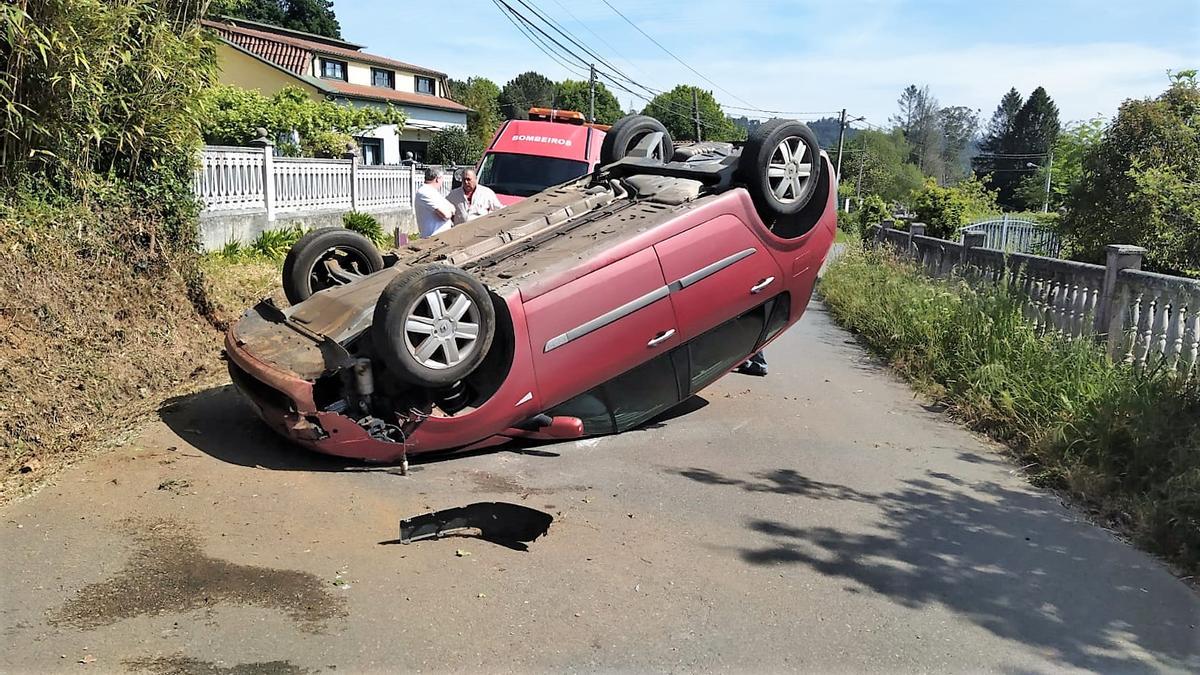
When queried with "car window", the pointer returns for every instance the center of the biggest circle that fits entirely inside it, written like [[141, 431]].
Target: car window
[[626, 401], [723, 347], [527, 175]]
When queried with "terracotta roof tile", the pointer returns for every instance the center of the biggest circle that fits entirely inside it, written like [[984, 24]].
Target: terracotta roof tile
[[255, 41], [291, 57], [380, 93]]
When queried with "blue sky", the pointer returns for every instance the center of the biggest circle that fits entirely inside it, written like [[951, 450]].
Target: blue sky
[[809, 56]]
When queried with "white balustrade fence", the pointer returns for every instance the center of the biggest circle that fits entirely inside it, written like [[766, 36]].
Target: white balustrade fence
[[1149, 320], [230, 179], [251, 180]]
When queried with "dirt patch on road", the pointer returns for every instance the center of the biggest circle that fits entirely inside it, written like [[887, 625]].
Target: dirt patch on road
[[169, 573], [488, 482], [182, 665]]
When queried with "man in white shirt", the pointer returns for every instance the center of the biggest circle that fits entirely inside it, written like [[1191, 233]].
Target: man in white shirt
[[433, 211], [472, 199]]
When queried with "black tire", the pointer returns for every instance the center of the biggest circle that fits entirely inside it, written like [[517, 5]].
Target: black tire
[[304, 273], [627, 132], [403, 304], [762, 149]]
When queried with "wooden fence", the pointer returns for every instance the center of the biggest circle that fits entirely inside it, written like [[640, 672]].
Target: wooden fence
[[248, 180], [1148, 319]]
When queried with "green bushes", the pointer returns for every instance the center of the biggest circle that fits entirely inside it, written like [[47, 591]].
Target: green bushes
[[453, 145], [366, 225], [231, 115], [945, 210], [1126, 441]]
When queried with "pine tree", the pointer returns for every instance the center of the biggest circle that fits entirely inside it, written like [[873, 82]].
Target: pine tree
[[1013, 138]]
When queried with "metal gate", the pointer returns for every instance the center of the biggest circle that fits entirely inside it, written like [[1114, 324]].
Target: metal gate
[[1019, 236]]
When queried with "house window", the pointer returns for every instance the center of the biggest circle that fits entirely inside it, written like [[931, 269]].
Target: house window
[[372, 150], [426, 85], [383, 78], [417, 148], [333, 70]]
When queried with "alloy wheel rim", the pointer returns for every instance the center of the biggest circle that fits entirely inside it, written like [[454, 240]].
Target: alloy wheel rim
[[788, 172], [441, 328]]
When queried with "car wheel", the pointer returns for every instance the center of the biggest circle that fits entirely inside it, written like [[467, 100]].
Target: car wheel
[[780, 165], [330, 256], [636, 135], [433, 325]]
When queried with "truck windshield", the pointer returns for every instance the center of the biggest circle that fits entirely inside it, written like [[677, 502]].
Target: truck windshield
[[527, 175]]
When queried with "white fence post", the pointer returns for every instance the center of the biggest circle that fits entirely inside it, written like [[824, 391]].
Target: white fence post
[[1110, 311], [352, 155], [914, 230], [268, 171]]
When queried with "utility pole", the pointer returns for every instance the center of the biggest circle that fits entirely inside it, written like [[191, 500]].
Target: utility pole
[[841, 140], [696, 113], [592, 95], [1049, 170]]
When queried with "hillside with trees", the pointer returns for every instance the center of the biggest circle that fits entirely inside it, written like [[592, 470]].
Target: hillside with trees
[[309, 16]]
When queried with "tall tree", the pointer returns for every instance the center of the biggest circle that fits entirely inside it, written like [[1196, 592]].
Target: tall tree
[[1036, 126], [310, 16], [920, 122], [1015, 139], [1141, 183], [527, 90], [877, 164], [989, 164], [675, 110], [576, 95], [959, 124], [482, 96]]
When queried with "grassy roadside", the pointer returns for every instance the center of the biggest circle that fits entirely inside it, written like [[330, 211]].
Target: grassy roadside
[[1126, 443], [94, 337]]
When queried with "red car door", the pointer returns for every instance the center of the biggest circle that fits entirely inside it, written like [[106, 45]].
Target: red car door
[[603, 324], [716, 271]]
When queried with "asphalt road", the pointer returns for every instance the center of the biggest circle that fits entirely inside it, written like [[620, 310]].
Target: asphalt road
[[820, 519]]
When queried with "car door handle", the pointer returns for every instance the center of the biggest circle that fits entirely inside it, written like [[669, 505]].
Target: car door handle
[[660, 338], [761, 285]]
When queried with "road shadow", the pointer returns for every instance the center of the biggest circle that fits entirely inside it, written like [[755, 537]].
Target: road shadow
[[222, 425], [219, 423], [1012, 562]]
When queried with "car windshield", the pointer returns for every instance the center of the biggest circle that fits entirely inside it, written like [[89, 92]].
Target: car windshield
[[527, 175]]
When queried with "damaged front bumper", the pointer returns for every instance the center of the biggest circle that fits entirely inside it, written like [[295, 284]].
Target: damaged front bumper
[[285, 403]]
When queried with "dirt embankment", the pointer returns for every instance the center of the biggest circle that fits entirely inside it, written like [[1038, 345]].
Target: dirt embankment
[[95, 331]]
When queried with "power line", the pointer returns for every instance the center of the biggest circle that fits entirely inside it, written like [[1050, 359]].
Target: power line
[[672, 55], [566, 56], [606, 43], [514, 13], [570, 37], [532, 38]]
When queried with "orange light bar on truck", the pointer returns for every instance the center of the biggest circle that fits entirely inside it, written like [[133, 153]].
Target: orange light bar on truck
[[551, 115]]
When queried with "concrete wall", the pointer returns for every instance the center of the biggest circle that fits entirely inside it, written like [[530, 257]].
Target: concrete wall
[[218, 229]]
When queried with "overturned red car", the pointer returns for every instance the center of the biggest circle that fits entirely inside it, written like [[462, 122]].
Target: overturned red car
[[588, 308]]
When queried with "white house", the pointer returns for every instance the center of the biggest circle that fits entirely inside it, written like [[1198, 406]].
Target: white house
[[267, 58]]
